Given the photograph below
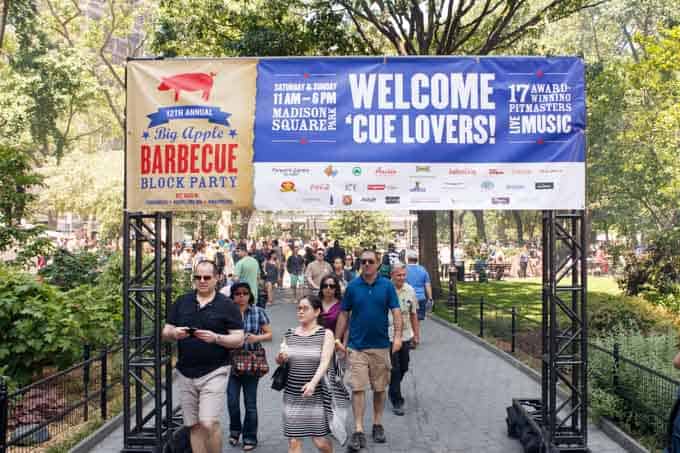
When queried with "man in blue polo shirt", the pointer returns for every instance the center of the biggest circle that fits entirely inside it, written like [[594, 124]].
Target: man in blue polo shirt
[[369, 298]]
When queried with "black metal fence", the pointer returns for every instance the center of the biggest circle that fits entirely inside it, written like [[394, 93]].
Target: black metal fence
[[55, 405], [642, 396]]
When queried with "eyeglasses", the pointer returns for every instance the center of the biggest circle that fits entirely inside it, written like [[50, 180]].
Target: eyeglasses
[[203, 278], [365, 262], [242, 294], [328, 285]]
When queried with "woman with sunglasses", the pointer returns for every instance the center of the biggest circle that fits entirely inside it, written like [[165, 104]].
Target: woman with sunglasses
[[257, 328], [308, 351], [330, 294]]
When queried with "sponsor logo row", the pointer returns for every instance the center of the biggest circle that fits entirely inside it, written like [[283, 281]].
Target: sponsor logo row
[[332, 171], [415, 187]]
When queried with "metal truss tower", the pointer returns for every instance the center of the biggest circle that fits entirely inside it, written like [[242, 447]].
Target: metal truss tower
[[147, 295]]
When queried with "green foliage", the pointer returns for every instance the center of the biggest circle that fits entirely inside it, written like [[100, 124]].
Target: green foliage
[[68, 270], [656, 274], [258, 28], [41, 326], [359, 229], [18, 183], [623, 393]]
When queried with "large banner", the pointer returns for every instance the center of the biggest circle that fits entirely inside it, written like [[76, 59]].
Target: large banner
[[420, 133], [356, 133], [190, 134]]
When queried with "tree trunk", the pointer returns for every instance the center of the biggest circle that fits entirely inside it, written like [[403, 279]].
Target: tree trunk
[[3, 20], [427, 246], [481, 228], [520, 227], [246, 215], [52, 220], [459, 227]]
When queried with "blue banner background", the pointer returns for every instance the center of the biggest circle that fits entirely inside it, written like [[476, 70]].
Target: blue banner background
[[338, 146]]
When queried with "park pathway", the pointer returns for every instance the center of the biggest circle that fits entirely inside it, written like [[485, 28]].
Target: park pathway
[[456, 394]]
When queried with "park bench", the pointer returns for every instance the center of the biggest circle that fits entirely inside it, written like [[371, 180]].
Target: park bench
[[498, 270]]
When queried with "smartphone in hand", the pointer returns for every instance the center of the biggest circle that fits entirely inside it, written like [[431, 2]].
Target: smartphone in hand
[[191, 331]]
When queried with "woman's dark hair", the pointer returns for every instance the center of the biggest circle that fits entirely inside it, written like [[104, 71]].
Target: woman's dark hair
[[342, 262], [316, 304], [239, 285], [336, 281]]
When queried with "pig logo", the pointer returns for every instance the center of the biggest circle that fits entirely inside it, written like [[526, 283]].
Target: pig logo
[[196, 81]]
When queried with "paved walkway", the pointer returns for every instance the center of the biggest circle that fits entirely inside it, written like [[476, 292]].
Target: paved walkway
[[456, 394]]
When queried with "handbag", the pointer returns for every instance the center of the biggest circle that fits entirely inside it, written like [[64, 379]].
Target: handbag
[[249, 363], [280, 377], [339, 415]]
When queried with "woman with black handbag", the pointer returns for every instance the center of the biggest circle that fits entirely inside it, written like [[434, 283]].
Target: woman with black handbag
[[308, 352], [247, 366]]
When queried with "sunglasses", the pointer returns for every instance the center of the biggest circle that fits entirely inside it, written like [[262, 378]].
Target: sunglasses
[[328, 285], [242, 294], [203, 278], [364, 262]]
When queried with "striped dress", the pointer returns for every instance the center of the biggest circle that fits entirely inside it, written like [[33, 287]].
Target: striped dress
[[304, 417]]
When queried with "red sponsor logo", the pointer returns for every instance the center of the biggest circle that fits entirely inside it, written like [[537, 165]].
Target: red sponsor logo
[[194, 81], [376, 187], [496, 172], [462, 171], [381, 171], [521, 171]]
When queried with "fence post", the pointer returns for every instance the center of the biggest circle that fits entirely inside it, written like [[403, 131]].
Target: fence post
[[615, 373], [455, 310], [86, 380], [481, 316], [103, 382], [4, 415], [514, 330]]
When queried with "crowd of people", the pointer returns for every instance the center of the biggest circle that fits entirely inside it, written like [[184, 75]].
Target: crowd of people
[[358, 318]]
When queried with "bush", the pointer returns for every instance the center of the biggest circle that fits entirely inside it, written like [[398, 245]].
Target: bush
[[68, 270], [656, 274], [628, 394], [41, 326], [632, 313]]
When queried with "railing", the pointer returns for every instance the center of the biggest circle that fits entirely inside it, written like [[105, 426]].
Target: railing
[[506, 326], [645, 395], [56, 404]]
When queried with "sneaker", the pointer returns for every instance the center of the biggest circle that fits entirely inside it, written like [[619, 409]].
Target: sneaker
[[398, 409], [357, 441], [379, 434]]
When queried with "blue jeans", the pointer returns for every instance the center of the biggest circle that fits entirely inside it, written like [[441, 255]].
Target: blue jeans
[[675, 437], [422, 308], [249, 426]]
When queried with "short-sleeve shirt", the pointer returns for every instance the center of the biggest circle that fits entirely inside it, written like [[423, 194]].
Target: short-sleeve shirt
[[198, 358], [247, 269], [408, 304], [253, 320], [417, 277], [369, 304]]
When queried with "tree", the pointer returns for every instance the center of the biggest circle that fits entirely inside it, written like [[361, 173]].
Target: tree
[[444, 28], [360, 229], [17, 184]]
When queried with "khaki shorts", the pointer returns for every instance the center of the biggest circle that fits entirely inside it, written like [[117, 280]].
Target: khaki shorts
[[204, 398], [370, 366]]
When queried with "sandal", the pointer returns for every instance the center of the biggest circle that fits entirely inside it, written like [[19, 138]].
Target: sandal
[[233, 441]]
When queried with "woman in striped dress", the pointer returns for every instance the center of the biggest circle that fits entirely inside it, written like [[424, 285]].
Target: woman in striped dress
[[308, 350]]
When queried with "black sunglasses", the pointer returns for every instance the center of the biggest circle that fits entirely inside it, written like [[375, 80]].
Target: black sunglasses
[[203, 278], [367, 261], [328, 285]]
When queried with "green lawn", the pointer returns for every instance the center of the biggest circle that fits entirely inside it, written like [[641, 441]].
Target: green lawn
[[524, 294]]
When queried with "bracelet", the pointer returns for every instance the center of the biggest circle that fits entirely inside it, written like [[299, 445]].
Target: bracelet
[[337, 341]]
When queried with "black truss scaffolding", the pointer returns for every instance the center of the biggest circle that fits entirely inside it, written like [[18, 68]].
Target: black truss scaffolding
[[560, 424], [147, 295]]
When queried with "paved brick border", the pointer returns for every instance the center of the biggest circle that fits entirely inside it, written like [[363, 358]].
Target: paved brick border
[[606, 425]]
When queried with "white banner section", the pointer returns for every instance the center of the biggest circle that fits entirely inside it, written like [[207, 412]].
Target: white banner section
[[390, 186]]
